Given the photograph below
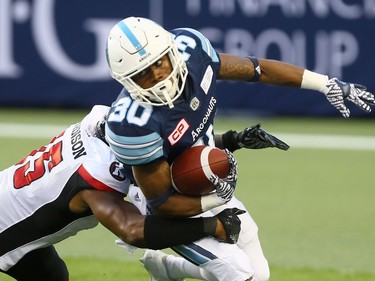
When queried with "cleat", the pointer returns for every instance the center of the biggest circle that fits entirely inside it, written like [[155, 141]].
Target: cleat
[[154, 262]]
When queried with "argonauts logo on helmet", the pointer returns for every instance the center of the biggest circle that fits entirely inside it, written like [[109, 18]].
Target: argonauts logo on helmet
[[144, 57]]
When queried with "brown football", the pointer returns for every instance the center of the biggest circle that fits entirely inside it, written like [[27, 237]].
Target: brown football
[[192, 169]]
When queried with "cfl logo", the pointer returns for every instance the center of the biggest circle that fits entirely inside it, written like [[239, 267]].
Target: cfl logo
[[178, 132], [117, 171]]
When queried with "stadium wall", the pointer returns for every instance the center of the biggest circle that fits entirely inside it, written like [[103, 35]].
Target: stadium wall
[[52, 53]]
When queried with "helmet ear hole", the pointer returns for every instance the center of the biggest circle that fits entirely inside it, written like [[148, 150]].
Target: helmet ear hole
[[133, 45]]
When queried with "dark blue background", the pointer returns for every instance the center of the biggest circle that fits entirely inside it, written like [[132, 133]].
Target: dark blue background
[[41, 86]]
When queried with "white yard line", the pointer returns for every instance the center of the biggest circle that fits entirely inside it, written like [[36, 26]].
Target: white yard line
[[30, 131], [338, 142], [307, 141]]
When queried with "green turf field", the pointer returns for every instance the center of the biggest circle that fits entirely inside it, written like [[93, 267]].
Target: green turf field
[[314, 205]]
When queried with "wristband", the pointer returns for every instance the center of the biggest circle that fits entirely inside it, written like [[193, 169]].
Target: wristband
[[156, 202], [210, 201], [314, 81], [257, 70], [230, 140]]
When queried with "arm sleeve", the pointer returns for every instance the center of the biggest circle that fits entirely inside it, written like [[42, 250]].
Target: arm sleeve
[[160, 233]]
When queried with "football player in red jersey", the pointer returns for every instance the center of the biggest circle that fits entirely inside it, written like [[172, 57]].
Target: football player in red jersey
[[71, 184]]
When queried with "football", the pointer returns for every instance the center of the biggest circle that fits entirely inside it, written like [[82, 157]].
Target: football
[[191, 170]]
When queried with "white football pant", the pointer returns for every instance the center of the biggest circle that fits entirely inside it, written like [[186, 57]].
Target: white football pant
[[208, 259]]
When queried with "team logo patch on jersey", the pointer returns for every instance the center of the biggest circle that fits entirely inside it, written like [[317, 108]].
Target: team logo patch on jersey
[[194, 103], [179, 131], [117, 171], [207, 79]]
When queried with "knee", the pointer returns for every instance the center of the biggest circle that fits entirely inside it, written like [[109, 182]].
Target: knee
[[261, 276], [229, 269], [56, 271], [262, 273], [40, 264]]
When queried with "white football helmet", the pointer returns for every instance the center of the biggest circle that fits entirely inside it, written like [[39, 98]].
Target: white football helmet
[[135, 44]]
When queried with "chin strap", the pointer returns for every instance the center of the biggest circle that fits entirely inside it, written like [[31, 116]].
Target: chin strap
[[168, 88]]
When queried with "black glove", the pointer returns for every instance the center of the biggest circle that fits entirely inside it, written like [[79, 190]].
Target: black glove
[[232, 224], [253, 138]]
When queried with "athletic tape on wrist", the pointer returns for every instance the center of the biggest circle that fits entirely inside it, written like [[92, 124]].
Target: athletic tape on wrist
[[314, 81], [210, 201]]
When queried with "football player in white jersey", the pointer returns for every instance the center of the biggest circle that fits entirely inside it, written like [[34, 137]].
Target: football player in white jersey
[[71, 184], [167, 105]]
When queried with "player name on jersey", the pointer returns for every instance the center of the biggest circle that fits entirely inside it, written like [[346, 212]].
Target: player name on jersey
[[77, 144]]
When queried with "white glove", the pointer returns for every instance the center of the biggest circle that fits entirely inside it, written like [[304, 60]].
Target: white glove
[[224, 187], [337, 91]]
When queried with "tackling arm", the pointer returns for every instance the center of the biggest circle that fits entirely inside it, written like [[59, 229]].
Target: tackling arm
[[125, 221]]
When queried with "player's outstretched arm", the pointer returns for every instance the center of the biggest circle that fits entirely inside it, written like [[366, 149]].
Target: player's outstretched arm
[[278, 73]]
